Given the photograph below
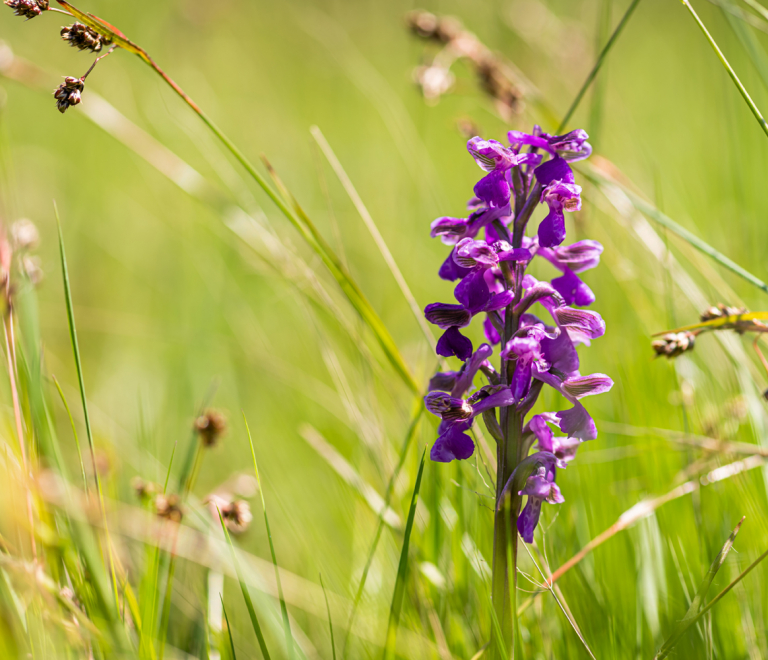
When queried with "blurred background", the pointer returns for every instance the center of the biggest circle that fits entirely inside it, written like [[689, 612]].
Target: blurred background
[[191, 289]]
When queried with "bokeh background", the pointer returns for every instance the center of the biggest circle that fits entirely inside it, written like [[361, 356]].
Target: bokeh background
[[197, 290]]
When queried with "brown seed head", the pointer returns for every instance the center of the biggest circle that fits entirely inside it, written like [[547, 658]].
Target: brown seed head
[[236, 513], [210, 426], [673, 344], [720, 310], [168, 507], [145, 490], [68, 93], [83, 38], [28, 8]]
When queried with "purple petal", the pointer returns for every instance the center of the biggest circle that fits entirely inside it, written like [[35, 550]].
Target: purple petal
[[450, 230], [491, 334], [454, 343], [467, 374], [529, 518], [536, 291], [552, 228], [580, 256], [443, 381], [470, 253], [451, 271], [452, 444], [498, 400], [586, 321], [472, 292], [555, 169], [517, 140], [539, 427], [445, 316], [498, 301], [561, 353], [491, 155], [493, 189], [521, 379], [565, 449], [576, 423], [515, 254], [581, 386], [572, 146], [573, 289]]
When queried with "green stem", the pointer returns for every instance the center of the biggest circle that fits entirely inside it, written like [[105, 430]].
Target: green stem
[[731, 72]]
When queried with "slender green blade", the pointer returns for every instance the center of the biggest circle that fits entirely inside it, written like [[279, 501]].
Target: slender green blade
[[74, 432], [246, 595], [229, 630], [402, 569], [410, 435], [738, 579], [603, 181], [720, 322], [695, 611], [330, 621], [283, 607], [742, 90]]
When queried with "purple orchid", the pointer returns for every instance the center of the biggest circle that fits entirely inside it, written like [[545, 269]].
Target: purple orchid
[[489, 260]]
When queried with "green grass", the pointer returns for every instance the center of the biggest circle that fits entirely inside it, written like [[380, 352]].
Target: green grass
[[188, 285]]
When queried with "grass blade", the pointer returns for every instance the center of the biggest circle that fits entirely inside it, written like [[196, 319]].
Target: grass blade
[[603, 181], [74, 432], [338, 168], [720, 322], [229, 630], [742, 90], [330, 621], [741, 576], [283, 608], [694, 611], [599, 63], [409, 436], [81, 384], [246, 595], [402, 569]]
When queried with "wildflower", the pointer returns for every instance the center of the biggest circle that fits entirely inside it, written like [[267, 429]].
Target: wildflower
[[539, 487], [489, 264], [673, 344], [69, 93], [83, 37], [168, 507], [28, 8], [210, 426]]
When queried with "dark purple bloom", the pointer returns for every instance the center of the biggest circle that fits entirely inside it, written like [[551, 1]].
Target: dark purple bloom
[[563, 448], [491, 155], [453, 343], [570, 260], [452, 443], [458, 383], [539, 487], [560, 193], [573, 290], [571, 147], [494, 189]]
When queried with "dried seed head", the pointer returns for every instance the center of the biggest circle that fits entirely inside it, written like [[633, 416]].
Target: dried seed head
[[28, 8], [235, 513], [720, 310], [83, 38], [168, 507], [24, 235], [145, 490], [210, 426], [673, 344], [68, 93]]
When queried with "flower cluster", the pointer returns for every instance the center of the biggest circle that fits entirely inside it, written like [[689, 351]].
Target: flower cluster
[[490, 254], [28, 8], [82, 37]]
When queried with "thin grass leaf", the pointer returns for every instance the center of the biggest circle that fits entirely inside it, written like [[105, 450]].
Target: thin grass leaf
[[402, 569], [409, 436], [229, 629], [720, 322], [74, 432], [81, 384], [283, 608], [598, 64], [758, 8], [604, 181], [695, 610], [381, 244], [742, 90], [246, 595], [741, 576], [330, 621]]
